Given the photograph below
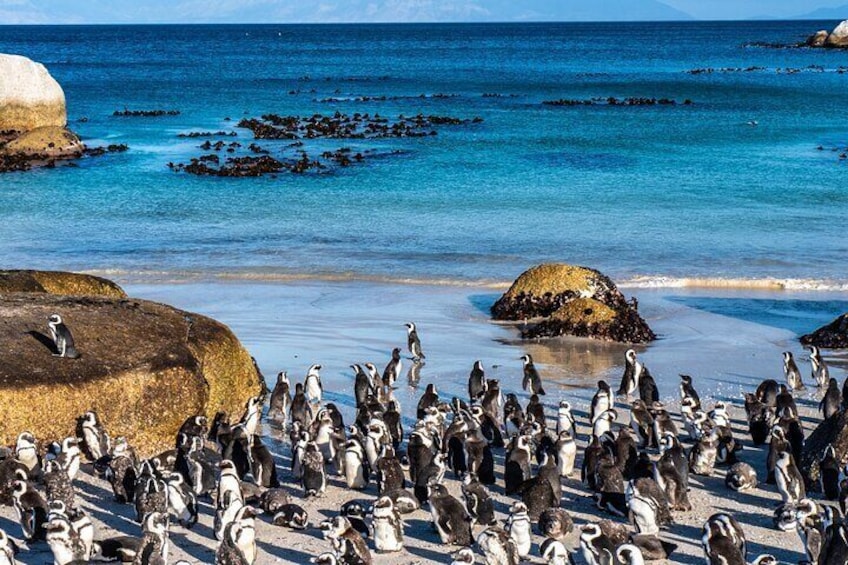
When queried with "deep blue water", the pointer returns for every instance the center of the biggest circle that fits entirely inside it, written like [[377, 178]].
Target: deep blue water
[[682, 191]]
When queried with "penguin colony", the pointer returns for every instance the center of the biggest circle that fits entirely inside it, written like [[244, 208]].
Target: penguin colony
[[638, 471]]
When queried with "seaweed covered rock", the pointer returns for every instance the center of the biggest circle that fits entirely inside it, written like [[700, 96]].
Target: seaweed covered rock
[[832, 431], [144, 368], [831, 336], [561, 299], [58, 282]]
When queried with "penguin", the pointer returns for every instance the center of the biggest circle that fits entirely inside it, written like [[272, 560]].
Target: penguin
[[479, 456], [535, 411], [498, 547], [670, 449], [68, 457], [95, 440], [389, 471], [281, 399], [291, 516], [513, 415], [413, 343], [777, 444], [356, 515], [26, 453], [429, 399], [759, 415], [670, 479], [702, 456], [363, 386], [642, 423], [392, 419], [555, 523], [791, 372], [820, 372], [301, 411], [356, 468], [243, 531], [609, 486], [325, 558], [629, 554], [64, 542], [596, 546], [626, 452], [648, 506], [348, 543], [565, 419], [263, 469], [151, 495], [449, 516], [272, 500], [790, 483], [31, 510], [663, 423], [591, 455], [723, 540], [554, 552], [195, 426], [8, 549], [566, 452], [829, 473], [63, 341], [767, 392], [648, 390], [601, 402], [531, 376], [741, 477], [652, 547], [464, 557], [387, 525], [492, 399], [393, 369], [478, 502], [688, 391], [632, 372], [314, 478], [182, 502], [831, 404], [57, 485], [519, 530], [477, 381], [229, 552], [312, 387], [517, 466], [229, 489], [603, 422], [434, 471]]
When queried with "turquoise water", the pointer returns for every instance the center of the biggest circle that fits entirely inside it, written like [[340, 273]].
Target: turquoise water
[[663, 192]]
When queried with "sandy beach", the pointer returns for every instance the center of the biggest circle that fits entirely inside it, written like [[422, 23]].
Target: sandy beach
[[289, 326]]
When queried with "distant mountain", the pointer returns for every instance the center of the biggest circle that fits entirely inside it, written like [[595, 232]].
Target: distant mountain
[[582, 10], [836, 13]]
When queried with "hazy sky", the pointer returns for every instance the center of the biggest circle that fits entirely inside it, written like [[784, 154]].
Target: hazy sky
[[281, 11]]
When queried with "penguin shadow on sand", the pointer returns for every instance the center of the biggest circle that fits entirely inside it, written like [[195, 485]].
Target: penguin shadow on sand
[[286, 554], [685, 536], [44, 340], [427, 554], [180, 538]]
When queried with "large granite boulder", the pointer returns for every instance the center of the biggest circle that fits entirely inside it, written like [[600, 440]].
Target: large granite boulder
[[144, 367], [839, 36], [558, 299], [29, 97], [58, 282], [833, 431], [831, 336]]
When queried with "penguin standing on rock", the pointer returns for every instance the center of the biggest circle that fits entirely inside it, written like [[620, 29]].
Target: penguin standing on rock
[[414, 343], [63, 341], [791, 372], [531, 376]]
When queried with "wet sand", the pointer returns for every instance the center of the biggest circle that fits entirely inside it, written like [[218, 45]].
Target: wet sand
[[290, 326]]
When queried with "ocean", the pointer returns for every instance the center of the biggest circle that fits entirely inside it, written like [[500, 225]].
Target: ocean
[[730, 189]]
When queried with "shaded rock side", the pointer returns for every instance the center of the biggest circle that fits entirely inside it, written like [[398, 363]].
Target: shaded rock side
[[833, 431], [144, 367], [831, 336], [49, 142], [58, 282], [29, 96], [818, 39], [561, 299]]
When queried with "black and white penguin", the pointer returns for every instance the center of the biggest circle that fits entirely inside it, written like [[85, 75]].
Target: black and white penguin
[[413, 342], [281, 399], [767, 392], [95, 440], [478, 452], [363, 386], [301, 411], [151, 495], [759, 418], [791, 372], [477, 381], [182, 502], [312, 386], [262, 465], [513, 415], [555, 523], [291, 516], [652, 547], [498, 547], [390, 474], [629, 554], [348, 543], [829, 473], [518, 527], [648, 506], [596, 546], [429, 399], [688, 391], [449, 516], [820, 372], [63, 341], [553, 552], [663, 424], [68, 457], [57, 485], [632, 371], [464, 557], [492, 399], [565, 418], [314, 478], [831, 404], [741, 477], [669, 477], [434, 471], [31, 510], [532, 379], [602, 401], [777, 444], [387, 525], [26, 453], [517, 466], [723, 540], [566, 453], [603, 422], [703, 455], [478, 502], [356, 514], [642, 423], [790, 483], [64, 542], [356, 467], [393, 369]]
